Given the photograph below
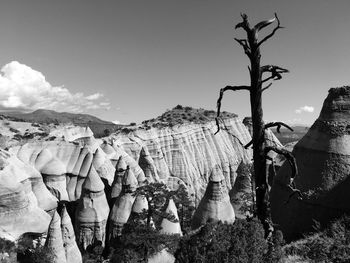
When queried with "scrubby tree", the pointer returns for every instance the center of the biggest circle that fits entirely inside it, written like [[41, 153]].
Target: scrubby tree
[[258, 84], [141, 236]]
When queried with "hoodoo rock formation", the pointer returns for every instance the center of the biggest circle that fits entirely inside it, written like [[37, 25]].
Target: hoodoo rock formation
[[215, 204], [188, 152], [79, 189], [19, 210], [323, 159]]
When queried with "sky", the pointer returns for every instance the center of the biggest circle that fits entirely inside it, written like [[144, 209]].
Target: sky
[[128, 61]]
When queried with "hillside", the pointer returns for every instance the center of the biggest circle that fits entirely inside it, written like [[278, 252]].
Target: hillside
[[99, 127], [182, 115]]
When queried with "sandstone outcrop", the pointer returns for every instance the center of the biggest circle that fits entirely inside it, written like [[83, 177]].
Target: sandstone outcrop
[[92, 212], [167, 226], [98, 178], [71, 249], [54, 240], [19, 211], [215, 204], [323, 159], [188, 152], [123, 205]]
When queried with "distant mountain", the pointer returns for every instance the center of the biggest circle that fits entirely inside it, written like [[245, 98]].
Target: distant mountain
[[99, 127]]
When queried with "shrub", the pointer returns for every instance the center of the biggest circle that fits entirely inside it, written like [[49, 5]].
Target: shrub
[[27, 252], [106, 132], [240, 242], [14, 130], [179, 107], [330, 245]]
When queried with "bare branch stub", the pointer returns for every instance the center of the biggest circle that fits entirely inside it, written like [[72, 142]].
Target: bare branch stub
[[278, 125], [273, 31], [218, 104], [244, 24]]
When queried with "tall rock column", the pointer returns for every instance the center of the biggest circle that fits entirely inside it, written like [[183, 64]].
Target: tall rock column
[[323, 159], [92, 212], [215, 204]]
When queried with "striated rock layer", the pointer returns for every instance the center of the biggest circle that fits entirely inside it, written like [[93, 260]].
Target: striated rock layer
[[19, 210], [215, 204], [323, 158], [188, 152], [98, 178]]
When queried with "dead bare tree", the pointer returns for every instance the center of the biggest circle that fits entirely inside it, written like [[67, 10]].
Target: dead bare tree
[[251, 45]]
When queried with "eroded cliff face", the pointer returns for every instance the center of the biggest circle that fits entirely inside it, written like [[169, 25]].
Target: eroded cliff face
[[323, 159], [95, 179], [189, 153]]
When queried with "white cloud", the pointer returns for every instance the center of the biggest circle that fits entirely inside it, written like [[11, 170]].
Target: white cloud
[[95, 96], [305, 108], [116, 122], [23, 88]]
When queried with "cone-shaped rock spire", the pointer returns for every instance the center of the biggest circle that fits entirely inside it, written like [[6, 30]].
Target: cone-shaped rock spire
[[54, 240], [118, 177], [72, 252], [123, 204], [323, 159], [215, 204], [92, 212], [167, 226]]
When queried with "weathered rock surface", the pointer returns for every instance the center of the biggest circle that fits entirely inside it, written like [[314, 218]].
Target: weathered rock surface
[[70, 165], [92, 212], [167, 226], [215, 204], [323, 158], [188, 152], [123, 204], [19, 211], [71, 249], [54, 240]]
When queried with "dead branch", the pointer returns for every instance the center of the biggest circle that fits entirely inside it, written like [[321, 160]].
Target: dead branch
[[218, 104], [294, 192], [290, 158], [273, 31], [227, 130], [263, 24], [248, 144], [265, 88], [244, 44], [244, 24], [278, 125], [276, 72]]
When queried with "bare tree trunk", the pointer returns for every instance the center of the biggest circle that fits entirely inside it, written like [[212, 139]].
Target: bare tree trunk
[[262, 202], [251, 46]]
